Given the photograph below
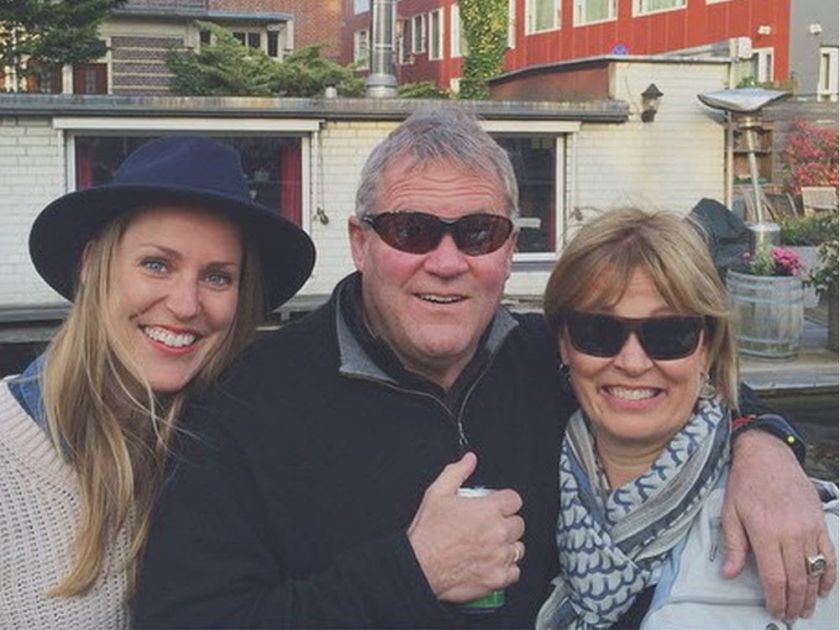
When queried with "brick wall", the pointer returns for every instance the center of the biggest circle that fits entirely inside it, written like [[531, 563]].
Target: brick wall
[[31, 175], [315, 21]]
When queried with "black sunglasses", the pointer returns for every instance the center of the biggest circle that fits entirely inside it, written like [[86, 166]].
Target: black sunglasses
[[420, 233], [663, 338]]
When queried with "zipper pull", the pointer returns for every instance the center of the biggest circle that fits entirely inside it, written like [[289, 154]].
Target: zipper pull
[[462, 438]]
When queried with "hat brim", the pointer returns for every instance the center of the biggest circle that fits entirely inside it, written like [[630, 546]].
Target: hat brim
[[66, 225]]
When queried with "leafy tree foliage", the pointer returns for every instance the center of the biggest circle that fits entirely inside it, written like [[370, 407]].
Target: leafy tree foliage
[[227, 68], [422, 89], [485, 25], [39, 34]]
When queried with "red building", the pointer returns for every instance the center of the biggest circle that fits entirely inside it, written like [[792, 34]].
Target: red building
[[545, 31]]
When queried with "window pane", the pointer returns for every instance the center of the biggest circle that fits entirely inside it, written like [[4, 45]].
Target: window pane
[[435, 39], [594, 10], [272, 166], [254, 40], [272, 43], [418, 34], [544, 13], [534, 161], [656, 5]]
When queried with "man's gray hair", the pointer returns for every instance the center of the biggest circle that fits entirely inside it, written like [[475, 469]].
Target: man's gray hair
[[443, 134]]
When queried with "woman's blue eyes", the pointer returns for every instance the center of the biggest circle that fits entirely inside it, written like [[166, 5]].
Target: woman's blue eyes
[[153, 264], [219, 279], [215, 278]]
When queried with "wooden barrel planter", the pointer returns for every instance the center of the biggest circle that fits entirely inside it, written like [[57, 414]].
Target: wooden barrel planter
[[768, 314]]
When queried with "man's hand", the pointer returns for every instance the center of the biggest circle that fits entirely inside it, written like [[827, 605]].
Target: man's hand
[[467, 547], [773, 508]]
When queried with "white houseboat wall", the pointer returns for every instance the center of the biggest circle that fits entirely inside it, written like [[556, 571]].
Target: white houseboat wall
[[305, 156]]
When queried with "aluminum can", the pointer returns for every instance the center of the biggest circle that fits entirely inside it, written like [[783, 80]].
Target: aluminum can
[[491, 602]]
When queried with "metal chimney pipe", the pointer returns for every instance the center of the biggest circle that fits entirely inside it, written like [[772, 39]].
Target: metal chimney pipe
[[381, 82]]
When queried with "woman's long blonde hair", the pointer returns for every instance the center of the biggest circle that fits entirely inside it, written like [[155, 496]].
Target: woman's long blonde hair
[[106, 420]]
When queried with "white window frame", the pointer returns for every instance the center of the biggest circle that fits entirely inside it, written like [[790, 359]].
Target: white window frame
[[436, 43], [565, 138], [511, 34], [457, 39], [827, 71], [403, 51], [641, 7], [306, 130], [361, 6], [531, 13], [418, 40], [359, 37], [579, 17], [765, 59]]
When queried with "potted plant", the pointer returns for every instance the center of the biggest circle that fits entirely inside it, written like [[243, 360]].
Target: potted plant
[[804, 235], [766, 292], [823, 278]]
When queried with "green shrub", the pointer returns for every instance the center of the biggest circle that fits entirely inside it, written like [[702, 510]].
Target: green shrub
[[811, 230], [423, 89]]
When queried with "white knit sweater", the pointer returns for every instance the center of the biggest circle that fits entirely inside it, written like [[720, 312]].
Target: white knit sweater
[[39, 510]]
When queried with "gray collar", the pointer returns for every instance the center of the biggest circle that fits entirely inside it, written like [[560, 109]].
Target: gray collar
[[356, 363]]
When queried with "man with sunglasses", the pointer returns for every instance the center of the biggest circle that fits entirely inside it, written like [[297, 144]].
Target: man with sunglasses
[[318, 486]]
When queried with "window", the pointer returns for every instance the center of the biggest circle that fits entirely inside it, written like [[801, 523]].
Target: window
[[761, 64], [361, 6], [543, 15], [534, 159], [403, 44], [418, 33], [273, 48], [251, 39], [588, 11], [273, 166], [361, 48], [456, 33], [204, 37], [90, 78], [827, 86], [651, 6], [436, 34]]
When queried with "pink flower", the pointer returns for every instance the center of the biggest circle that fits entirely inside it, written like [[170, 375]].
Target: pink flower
[[787, 262]]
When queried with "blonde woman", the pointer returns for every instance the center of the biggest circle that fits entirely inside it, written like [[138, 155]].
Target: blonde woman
[[169, 268]]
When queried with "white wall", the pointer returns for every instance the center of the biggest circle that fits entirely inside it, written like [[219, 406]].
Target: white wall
[[670, 162], [31, 175]]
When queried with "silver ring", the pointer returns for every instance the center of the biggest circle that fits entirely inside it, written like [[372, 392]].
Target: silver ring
[[815, 566]]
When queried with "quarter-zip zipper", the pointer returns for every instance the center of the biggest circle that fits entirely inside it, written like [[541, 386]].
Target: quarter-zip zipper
[[457, 419]]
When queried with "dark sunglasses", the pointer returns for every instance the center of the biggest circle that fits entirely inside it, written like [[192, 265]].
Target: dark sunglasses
[[663, 338], [420, 233]]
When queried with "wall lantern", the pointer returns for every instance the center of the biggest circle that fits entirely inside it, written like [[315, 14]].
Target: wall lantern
[[650, 102]]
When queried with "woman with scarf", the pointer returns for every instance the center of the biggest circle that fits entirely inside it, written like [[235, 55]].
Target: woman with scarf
[[648, 348], [169, 268]]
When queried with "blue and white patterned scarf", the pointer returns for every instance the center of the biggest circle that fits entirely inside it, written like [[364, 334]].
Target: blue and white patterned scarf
[[612, 548]]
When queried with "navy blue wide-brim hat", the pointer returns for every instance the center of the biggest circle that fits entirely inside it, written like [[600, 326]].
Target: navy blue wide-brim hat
[[189, 169]]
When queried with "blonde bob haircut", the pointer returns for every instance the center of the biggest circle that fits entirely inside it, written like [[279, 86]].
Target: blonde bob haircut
[[595, 268], [106, 420]]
